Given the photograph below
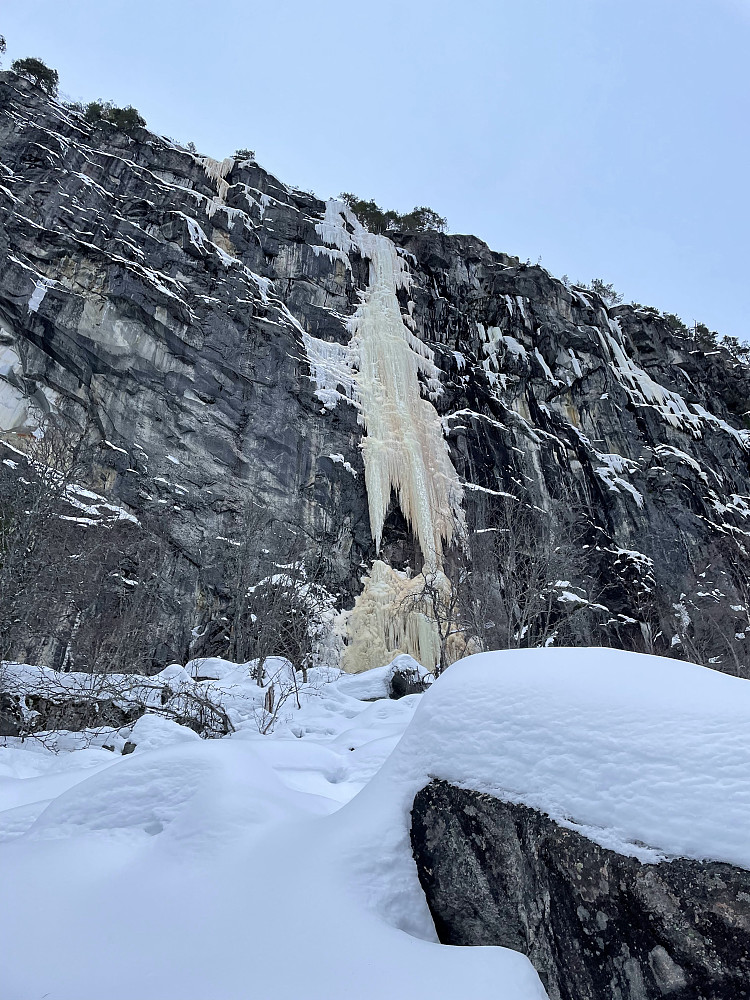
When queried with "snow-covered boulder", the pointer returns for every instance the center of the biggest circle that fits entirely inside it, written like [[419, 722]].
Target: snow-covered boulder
[[612, 847], [153, 731], [402, 676], [595, 923], [209, 668], [407, 677]]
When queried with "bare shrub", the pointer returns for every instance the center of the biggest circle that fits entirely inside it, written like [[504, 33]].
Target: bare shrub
[[446, 604], [80, 579], [531, 583], [278, 603]]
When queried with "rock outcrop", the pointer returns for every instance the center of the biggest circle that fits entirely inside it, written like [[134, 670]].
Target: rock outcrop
[[212, 334], [595, 924]]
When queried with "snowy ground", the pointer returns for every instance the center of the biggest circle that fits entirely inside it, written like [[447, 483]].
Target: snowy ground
[[278, 866]]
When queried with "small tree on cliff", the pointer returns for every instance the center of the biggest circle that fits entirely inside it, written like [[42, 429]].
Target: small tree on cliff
[[38, 72], [379, 220], [125, 119], [422, 218], [605, 290]]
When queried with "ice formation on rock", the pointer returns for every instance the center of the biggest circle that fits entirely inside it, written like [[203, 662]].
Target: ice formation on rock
[[217, 171], [391, 616], [383, 623], [37, 296], [330, 365], [404, 449], [670, 406]]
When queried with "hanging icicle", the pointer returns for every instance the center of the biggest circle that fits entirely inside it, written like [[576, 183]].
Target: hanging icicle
[[404, 450]]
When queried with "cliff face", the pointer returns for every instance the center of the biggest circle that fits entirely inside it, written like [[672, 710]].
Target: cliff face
[[217, 337]]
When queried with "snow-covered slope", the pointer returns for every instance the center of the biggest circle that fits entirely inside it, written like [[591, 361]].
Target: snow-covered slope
[[251, 866], [223, 868]]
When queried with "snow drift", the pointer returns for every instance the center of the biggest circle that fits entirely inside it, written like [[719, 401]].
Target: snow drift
[[280, 865]]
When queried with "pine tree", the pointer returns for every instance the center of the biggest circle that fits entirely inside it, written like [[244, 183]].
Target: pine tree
[[38, 72]]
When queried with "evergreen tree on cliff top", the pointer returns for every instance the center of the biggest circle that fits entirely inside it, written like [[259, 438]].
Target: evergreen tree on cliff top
[[38, 73]]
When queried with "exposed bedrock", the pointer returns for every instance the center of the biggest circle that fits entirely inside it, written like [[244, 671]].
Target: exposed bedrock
[[597, 925]]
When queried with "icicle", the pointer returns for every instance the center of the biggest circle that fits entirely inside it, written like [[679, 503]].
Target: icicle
[[217, 171], [404, 449], [383, 623]]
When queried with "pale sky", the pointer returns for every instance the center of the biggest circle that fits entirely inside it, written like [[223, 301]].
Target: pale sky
[[609, 137]]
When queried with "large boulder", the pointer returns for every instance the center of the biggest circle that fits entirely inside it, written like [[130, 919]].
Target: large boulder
[[596, 924]]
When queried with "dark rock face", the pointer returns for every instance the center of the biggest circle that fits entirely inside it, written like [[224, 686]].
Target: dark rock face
[[77, 714], [41, 714], [162, 339], [161, 300], [405, 682], [11, 720], [595, 924]]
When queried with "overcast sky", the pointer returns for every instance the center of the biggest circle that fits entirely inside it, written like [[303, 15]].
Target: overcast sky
[[609, 137]]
